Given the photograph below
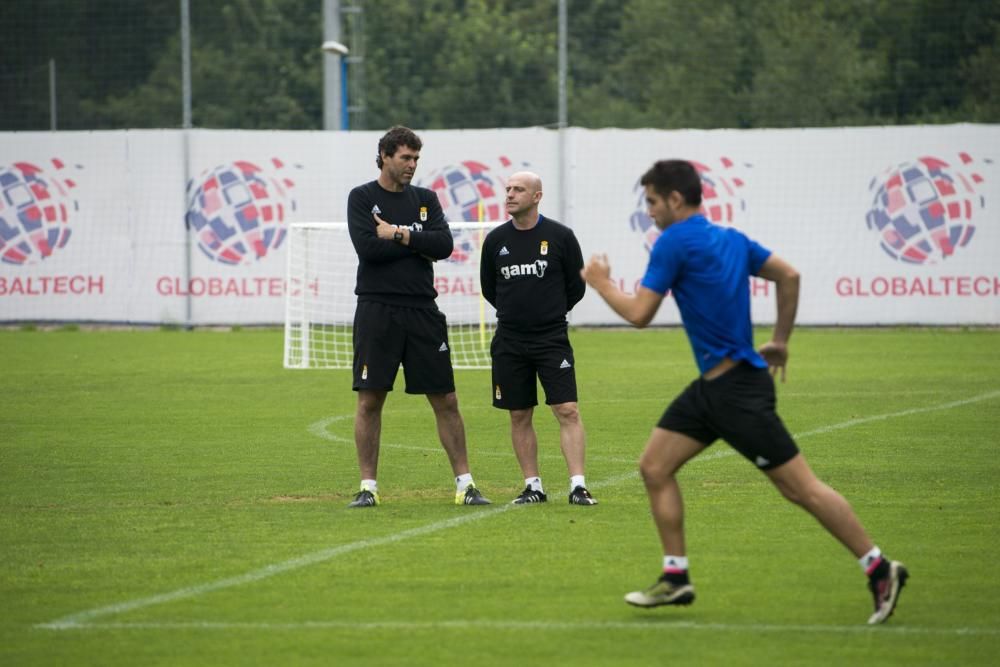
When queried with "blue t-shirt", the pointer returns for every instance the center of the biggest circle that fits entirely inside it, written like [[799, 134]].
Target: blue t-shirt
[[707, 267]]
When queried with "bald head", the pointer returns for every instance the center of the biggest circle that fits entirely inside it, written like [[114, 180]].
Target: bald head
[[529, 179], [524, 191]]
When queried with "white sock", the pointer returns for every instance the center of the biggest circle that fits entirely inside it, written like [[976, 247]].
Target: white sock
[[535, 483], [370, 484], [575, 481], [675, 563], [870, 559], [462, 482]]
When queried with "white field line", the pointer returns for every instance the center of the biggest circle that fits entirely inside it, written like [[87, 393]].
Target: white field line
[[321, 430], [640, 625], [85, 618]]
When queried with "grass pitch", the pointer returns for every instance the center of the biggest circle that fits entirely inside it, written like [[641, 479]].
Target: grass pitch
[[177, 498]]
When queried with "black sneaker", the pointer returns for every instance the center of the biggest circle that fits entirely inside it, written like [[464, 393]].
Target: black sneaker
[[661, 593], [471, 496], [885, 590], [581, 496], [364, 498], [529, 496]]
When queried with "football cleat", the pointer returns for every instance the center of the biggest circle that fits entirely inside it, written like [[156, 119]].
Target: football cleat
[[529, 496], [581, 496], [471, 496], [661, 593], [364, 498], [885, 590]]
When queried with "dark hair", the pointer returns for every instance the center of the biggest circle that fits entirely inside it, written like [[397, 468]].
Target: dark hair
[[397, 136], [668, 176]]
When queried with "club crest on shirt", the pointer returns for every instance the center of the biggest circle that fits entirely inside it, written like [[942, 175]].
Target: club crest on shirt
[[544, 249], [423, 214]]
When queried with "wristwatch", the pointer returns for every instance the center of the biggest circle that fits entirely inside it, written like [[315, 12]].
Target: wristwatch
[[397, 235]]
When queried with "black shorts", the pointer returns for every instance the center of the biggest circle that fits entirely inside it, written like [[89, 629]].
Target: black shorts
[[739, 407], [386, 336], [516, 364]]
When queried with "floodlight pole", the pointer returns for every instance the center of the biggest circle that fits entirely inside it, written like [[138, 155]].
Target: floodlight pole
[[336, 104]]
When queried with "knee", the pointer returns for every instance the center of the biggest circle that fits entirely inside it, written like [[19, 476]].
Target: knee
[[445, 403], [567, 413], [806, 496], [653, 469], [520, 418], [369, 404]]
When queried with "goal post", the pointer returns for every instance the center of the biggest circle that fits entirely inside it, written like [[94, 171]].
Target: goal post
[[321, 273]]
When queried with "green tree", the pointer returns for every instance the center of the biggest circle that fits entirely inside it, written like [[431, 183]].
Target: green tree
[[937, 55], [255, 64], [100, 49], [493, 63], [677, 65], [810, 70], [981, 72], [460, 63]]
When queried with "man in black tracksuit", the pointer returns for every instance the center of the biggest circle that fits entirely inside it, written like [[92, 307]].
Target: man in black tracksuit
[[530, 272], [398, 230]]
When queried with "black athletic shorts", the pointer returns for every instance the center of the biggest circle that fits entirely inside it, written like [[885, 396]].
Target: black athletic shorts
[[386, 336], [739, 407], [516, 364]]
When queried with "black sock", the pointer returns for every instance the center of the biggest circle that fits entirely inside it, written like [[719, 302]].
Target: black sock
[[677, 578], [881, 570]]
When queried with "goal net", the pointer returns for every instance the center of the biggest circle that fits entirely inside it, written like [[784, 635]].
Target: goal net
[[320, 301]]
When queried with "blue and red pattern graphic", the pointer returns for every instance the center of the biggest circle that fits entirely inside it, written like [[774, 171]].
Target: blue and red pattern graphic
[[239, 212], [36, 207], [922, 210], [471, 191], [463, 187], [721, 201]]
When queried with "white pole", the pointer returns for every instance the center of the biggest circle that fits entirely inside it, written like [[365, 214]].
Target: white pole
[[186, 64], [563, 194], [186, 148]]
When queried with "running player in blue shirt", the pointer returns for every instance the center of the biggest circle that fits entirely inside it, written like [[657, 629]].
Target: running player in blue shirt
[[707, 268]]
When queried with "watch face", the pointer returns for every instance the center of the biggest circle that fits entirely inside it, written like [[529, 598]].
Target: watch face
[[397, 236]]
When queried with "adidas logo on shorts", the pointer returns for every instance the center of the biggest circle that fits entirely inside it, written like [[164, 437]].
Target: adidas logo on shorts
[[443, 348], [564, 364]]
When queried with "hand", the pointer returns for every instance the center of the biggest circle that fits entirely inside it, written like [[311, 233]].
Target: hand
[[383, 229], [597, 270], [776, 356]]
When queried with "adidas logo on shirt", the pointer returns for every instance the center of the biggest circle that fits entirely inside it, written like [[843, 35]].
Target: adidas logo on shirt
[[564, 364], [503, 251], [443, 348], [376, 210]]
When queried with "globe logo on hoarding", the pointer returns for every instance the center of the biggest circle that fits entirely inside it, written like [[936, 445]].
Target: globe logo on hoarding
[[238, 212], [721, 201], [471, 191], [35, 211], [922, 211]]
